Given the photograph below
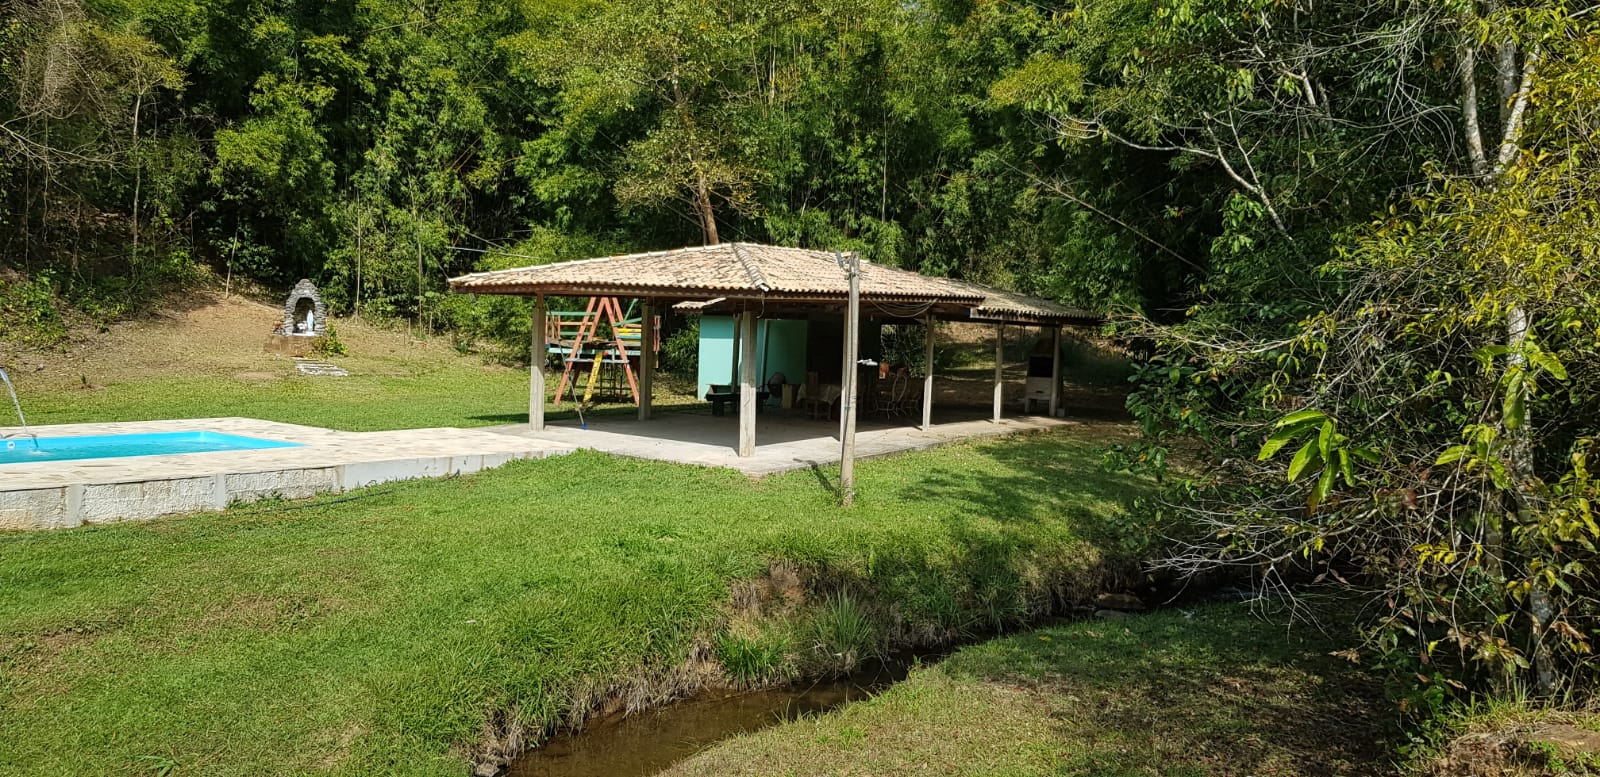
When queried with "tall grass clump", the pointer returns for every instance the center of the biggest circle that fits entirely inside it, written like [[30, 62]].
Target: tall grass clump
[[844, 633], [761, 658]]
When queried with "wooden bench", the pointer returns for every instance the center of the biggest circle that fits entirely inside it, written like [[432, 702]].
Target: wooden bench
[[722, 396]]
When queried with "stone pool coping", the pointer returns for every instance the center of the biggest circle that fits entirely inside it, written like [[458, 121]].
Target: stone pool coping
[[65, 494]]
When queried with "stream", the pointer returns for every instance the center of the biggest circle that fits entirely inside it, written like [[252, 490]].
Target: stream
[[645, 743]]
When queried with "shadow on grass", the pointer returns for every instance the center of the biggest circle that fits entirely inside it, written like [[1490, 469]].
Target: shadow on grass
[[1209, 692], [1018, 529], [822, 480], [1042, 477], [501, 418]]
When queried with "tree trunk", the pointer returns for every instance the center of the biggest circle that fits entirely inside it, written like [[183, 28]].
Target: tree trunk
[[77, 233], [233, 255], [416, 231], [359, 214], [1472, 126], [1505, 65], [44, 203], [1513, 87], [708, 214], [27, 214], [138, 179], [704, 210], [1519, 460]]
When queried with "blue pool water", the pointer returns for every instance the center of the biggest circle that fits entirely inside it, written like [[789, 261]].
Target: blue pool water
[[21, 450]]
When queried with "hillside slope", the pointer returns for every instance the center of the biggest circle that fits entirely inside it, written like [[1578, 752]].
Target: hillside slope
[[206, 332]]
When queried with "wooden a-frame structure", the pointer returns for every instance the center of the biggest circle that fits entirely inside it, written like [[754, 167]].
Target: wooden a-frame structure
[[587, 338]]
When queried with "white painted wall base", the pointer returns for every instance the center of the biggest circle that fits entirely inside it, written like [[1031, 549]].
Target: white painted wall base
[[82, 504], [67, 494]]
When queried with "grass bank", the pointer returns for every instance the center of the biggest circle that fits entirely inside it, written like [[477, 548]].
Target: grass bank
[[420, 396], [360, 403], [203, 356], [1510, 735], [422, 626], [1209, 691]]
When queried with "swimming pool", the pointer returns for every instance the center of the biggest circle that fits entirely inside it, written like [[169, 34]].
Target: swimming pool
[[21, 450]]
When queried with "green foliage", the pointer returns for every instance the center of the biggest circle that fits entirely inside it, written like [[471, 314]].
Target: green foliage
[[1439, 403], [28, 310], [844, 633], [1098, 363], [904, 345], [276, 144], [680, 353], [496, 325], [1325, 456], [330, 344], [761, 659], [430, 610], [677, 76]]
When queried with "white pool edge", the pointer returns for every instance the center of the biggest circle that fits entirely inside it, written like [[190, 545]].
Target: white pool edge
[[72, 493]]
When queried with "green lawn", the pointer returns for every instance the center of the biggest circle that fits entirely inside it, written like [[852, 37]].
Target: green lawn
[[395, 632], [1210, 691], [416, 397]]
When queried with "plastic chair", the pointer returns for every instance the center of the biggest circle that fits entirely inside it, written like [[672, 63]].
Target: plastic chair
[[890, 403], [813, 398], [912, 402]]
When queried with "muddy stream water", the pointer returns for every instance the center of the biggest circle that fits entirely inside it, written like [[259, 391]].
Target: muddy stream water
[[645, 743]]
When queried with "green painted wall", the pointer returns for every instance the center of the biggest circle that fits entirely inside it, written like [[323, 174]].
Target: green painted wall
[[780, 347], [716, 352], [784, 346]]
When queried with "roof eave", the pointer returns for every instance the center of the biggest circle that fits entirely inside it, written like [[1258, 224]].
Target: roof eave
[[702, 292], [1036, 319]]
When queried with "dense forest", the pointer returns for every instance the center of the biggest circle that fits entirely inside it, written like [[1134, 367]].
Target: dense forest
[[364, 144], [1356, 238]]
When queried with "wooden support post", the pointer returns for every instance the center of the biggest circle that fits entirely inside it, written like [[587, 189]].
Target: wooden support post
[[852, 374], [847, 360], [647, 357], [1055, 371], [999, 366], [536, 361], [747, 385], [927, 377]]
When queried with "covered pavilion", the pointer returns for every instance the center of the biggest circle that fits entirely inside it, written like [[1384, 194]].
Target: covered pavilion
[[751, 281]]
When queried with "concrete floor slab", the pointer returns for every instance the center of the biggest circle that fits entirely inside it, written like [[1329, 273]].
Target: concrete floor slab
[[784, 441], [62, 494]]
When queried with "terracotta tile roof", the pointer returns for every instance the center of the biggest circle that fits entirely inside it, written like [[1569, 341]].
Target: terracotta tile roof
[[738, 271], [732, 270], [999, 304]]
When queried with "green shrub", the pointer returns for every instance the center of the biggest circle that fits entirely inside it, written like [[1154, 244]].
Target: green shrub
[[845, 633], [1088, 364], [906, 344], [497, 326], [756, 660], [330, 344], [680, 354], [28, 311]]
